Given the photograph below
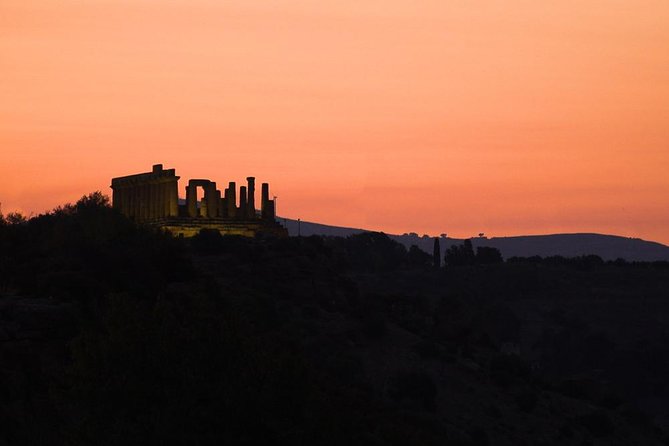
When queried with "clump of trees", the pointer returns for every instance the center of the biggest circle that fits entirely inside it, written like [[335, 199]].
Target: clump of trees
[[460, 255], [86, 248], [371, 251], [417, 257]]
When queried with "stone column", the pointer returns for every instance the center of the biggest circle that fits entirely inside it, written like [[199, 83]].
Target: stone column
[[164, 199], [224, 203], [173, 188], [243, 211], [115, 198], [232, 199], [251, 200], [264, 199], [219, 204], [224, 208], [146, 200], [212, 201], [271, 212], [160, 201], [191, 200], [202, 211], [148, 203], [168, 198], [153, 201], [158, 204], [118, 195], [118, 199]]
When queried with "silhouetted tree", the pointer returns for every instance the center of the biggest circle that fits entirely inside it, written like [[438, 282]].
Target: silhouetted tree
[[458, 255], [375, 251], [417, 257], [487, 255], [436, 253], [15, 218]]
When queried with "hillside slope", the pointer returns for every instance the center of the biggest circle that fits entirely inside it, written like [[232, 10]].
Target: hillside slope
[[608, 247], [115, 334]]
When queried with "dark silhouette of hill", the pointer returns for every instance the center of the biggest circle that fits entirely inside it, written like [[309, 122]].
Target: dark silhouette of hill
[[608, 247], [113, 333]]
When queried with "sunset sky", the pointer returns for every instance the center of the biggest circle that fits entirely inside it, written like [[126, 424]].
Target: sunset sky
[[506, 117]]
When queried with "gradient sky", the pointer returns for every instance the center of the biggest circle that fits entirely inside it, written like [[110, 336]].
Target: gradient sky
[[506, 117]]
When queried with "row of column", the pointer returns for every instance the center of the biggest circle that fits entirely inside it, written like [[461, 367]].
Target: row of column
[[213, 205], [157, 199], [147, 201]]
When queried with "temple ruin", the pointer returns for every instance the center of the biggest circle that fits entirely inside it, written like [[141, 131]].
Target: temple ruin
[[153, 198]]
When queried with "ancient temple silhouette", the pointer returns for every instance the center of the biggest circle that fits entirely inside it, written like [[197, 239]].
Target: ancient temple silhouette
[[153, 198]]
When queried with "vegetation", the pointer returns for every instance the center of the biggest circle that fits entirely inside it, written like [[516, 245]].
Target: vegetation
[[112, 333]]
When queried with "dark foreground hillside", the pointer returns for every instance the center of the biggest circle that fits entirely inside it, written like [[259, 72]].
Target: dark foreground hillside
[[116, 334]]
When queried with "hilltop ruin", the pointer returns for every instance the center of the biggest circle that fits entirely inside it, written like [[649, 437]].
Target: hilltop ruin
[[153, 198]]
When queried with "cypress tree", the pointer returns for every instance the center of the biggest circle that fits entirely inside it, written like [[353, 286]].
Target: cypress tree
[[436, 253]]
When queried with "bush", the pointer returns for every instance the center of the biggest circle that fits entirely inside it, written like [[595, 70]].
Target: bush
[[375, 251], [460, 255]]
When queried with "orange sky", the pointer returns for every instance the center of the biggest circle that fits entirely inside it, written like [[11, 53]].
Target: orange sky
[[505, 117]]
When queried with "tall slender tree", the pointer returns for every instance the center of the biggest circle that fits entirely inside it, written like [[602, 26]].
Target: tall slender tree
[[436, 253]]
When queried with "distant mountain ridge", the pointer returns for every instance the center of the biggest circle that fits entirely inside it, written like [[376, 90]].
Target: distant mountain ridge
[[608, 247]]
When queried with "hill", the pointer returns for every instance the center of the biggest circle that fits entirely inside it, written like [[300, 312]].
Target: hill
[[608, 247], [114, 334]]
